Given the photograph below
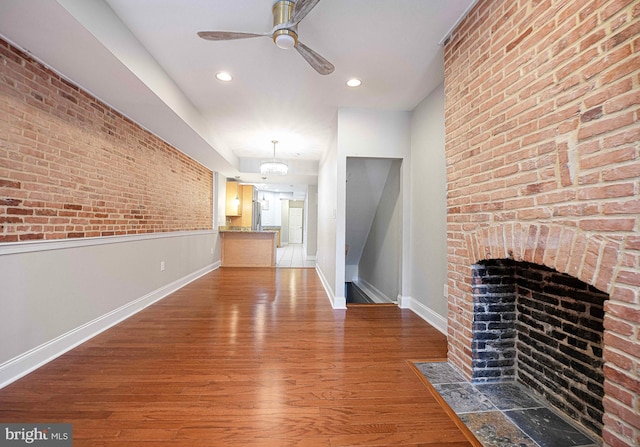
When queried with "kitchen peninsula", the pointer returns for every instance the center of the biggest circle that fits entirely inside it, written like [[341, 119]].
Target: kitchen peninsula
[[243, 247], [244, 242]]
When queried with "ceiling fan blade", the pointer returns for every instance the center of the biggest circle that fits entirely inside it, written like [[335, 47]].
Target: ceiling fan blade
[[301, 9], [227, 35], [319, 63]]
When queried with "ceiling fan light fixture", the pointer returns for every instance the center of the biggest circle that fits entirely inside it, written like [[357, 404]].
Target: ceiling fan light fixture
[[287, 14], [354, 82], [285, 39]]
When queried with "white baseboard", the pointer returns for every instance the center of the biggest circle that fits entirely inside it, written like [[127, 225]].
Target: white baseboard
[[372, 292], [337, 302], [434, 319], [31, 360]]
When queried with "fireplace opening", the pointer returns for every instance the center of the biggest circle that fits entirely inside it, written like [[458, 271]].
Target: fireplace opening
[[543, 329]]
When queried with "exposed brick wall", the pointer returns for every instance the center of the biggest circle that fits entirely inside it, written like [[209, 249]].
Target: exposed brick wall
[[70, 166], [542, 142]]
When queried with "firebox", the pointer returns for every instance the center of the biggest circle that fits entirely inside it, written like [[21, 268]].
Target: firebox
[[543, 329]]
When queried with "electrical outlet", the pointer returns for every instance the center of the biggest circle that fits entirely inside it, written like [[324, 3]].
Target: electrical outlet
[[446, 291], [162, 266], [211, 250]]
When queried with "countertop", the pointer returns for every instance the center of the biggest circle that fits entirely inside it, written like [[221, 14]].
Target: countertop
[[243, 230]]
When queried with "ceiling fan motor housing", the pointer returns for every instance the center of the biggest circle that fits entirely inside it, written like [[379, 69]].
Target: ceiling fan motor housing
[[285, 38]]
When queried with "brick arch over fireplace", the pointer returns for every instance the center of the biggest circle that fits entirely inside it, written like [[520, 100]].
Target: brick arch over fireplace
[[594, 259], [591, 258]]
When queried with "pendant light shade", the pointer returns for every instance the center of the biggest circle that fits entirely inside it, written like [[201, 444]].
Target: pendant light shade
[[274, 166]]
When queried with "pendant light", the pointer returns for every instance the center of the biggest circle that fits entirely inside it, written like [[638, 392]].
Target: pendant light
[[274, 166]]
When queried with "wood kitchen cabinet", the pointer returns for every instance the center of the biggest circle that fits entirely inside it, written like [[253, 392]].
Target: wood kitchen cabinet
[[239, 204], [233, 207], [246, 205], [244, 248]]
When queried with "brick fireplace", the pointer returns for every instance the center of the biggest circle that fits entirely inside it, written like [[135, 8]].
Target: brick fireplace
[[542, 146], [543, 329]]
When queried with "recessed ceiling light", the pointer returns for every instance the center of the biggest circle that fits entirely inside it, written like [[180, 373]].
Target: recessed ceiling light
[[354, 82], [224, 76]]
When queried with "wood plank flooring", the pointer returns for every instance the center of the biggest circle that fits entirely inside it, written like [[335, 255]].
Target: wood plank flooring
[[245, 357]]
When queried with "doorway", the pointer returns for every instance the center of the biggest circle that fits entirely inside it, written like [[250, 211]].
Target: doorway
[[373, 233], [292, 253], [295, 225]]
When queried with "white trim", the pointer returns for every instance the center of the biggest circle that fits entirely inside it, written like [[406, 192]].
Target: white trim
[[340, 302], [29, 361], [404, 302], [434, 319], [372, 292], [11, 248], [337, 302]]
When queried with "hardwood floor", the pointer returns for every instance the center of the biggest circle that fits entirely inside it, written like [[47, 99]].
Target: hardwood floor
[[245, 357]]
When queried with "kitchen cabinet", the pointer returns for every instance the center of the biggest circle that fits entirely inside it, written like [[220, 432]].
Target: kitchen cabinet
[[245, 248], [277, 230], [247, 205], [233, 203], [239, 211]]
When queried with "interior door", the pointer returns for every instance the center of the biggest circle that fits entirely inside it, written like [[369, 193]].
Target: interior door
[[295, 225]]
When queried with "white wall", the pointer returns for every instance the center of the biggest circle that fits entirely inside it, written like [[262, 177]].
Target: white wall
[[311, 223], [327, 209], [56, 294], [428, 257], [284, 221]]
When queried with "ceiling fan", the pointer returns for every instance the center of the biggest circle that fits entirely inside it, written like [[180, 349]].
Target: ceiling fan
[[286, 16]]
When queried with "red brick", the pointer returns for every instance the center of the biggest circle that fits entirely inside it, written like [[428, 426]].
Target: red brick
[[600, 96], [613, 7], [602, 126], [617, 376], [611, 389], [625, 294], [626, 207], [621, 172], [609, 224], [622, 102], [609, 158], [629, 278], [619, 327], [52, 159], [621, 70], [625, 136], [607, 191], [614, 433]]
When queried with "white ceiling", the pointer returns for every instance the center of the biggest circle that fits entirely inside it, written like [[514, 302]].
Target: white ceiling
[[143, 57]]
